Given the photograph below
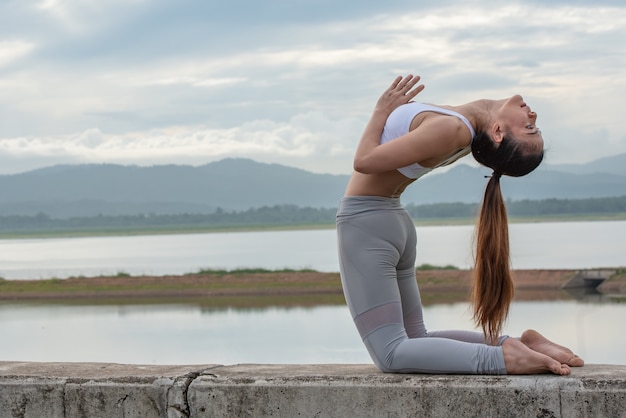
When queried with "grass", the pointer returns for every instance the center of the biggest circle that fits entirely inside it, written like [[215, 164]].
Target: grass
[[432, 267], [246, 288], [208, 281], [204, 280], [221, 272]]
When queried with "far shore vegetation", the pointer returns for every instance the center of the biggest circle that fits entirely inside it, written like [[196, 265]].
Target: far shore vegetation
[[292, 217], [258, 287], [55, 281]]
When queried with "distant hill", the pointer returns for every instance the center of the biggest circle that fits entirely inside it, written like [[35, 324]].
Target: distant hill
[[230, 184], [615, 164], [466, 184], [239, 184]]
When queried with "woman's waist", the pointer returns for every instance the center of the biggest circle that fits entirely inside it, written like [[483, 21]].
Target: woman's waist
[[354, 205], [390, 184]]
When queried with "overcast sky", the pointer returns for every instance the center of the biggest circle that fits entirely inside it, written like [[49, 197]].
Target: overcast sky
[[292, 81]]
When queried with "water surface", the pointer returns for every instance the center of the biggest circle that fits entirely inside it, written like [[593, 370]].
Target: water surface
[[557, 245], [187, 334]]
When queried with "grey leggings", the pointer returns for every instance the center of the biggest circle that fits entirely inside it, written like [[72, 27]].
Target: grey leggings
[[377, 251]]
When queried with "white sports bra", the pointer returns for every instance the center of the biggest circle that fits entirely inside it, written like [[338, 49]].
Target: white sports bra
[[399, 123]]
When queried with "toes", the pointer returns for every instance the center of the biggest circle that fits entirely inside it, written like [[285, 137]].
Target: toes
[[560, 369], [575, 361]]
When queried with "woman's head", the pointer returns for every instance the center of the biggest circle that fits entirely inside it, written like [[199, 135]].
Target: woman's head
[[511, 156], [510, 144]]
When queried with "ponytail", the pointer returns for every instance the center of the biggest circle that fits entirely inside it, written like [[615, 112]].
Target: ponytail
[[493, 287]]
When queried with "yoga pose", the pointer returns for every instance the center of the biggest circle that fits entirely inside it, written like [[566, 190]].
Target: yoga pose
[[377, 240]]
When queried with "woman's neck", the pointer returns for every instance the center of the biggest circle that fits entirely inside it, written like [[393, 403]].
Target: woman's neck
[[479, 112]]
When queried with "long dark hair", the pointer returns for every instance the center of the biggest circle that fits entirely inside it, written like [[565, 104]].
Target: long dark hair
[[493, 288]]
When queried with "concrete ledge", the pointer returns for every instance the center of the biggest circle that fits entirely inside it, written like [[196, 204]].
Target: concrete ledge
[[114, 390]]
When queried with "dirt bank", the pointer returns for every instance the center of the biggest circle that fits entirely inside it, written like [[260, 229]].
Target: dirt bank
[[450, 285]]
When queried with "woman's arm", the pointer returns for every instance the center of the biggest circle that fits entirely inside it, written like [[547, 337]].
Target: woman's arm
[[400, 92], [436, 138]]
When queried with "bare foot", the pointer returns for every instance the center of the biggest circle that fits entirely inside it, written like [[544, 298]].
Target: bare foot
[[541, 344], [519, 359]]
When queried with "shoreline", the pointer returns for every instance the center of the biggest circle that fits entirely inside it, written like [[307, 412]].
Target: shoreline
[[207, 229], [305, 287]]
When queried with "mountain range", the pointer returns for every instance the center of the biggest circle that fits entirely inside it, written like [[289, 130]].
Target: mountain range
[[237, 184]]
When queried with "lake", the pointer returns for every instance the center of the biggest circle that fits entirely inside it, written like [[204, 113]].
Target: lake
[[187, 334], [180, 333], [550, 245]]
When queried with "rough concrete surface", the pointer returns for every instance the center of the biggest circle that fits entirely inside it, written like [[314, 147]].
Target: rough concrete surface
[[89, 390], [249, 390]]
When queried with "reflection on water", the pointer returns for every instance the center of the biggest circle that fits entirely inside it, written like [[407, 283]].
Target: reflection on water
[[586, 294], [200, 334]]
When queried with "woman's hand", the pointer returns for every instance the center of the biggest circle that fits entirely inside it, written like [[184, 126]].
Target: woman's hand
[[400, 92]]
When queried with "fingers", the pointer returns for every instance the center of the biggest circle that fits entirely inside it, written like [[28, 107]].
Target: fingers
[[401, 91], [406, 86], [404, 83], [412, 93], [395, 83], [408, 82]]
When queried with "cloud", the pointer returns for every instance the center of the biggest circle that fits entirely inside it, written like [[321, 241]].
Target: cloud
[[80, 16], [300, 141], [11, 51], [138, 81]]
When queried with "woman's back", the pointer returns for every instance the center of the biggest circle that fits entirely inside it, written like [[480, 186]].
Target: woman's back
[[431, 136]]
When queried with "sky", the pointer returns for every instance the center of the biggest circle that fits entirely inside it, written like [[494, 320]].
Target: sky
[[292, 82]]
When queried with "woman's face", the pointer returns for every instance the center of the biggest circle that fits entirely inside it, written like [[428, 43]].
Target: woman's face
[[518, 119]]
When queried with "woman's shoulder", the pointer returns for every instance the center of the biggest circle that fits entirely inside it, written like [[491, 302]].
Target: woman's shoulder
[[443, 127]]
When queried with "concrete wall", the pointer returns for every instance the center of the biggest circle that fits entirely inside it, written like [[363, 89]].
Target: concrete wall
[[113, 390]]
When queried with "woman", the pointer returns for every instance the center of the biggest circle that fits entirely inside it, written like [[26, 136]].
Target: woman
[[377, 241]]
